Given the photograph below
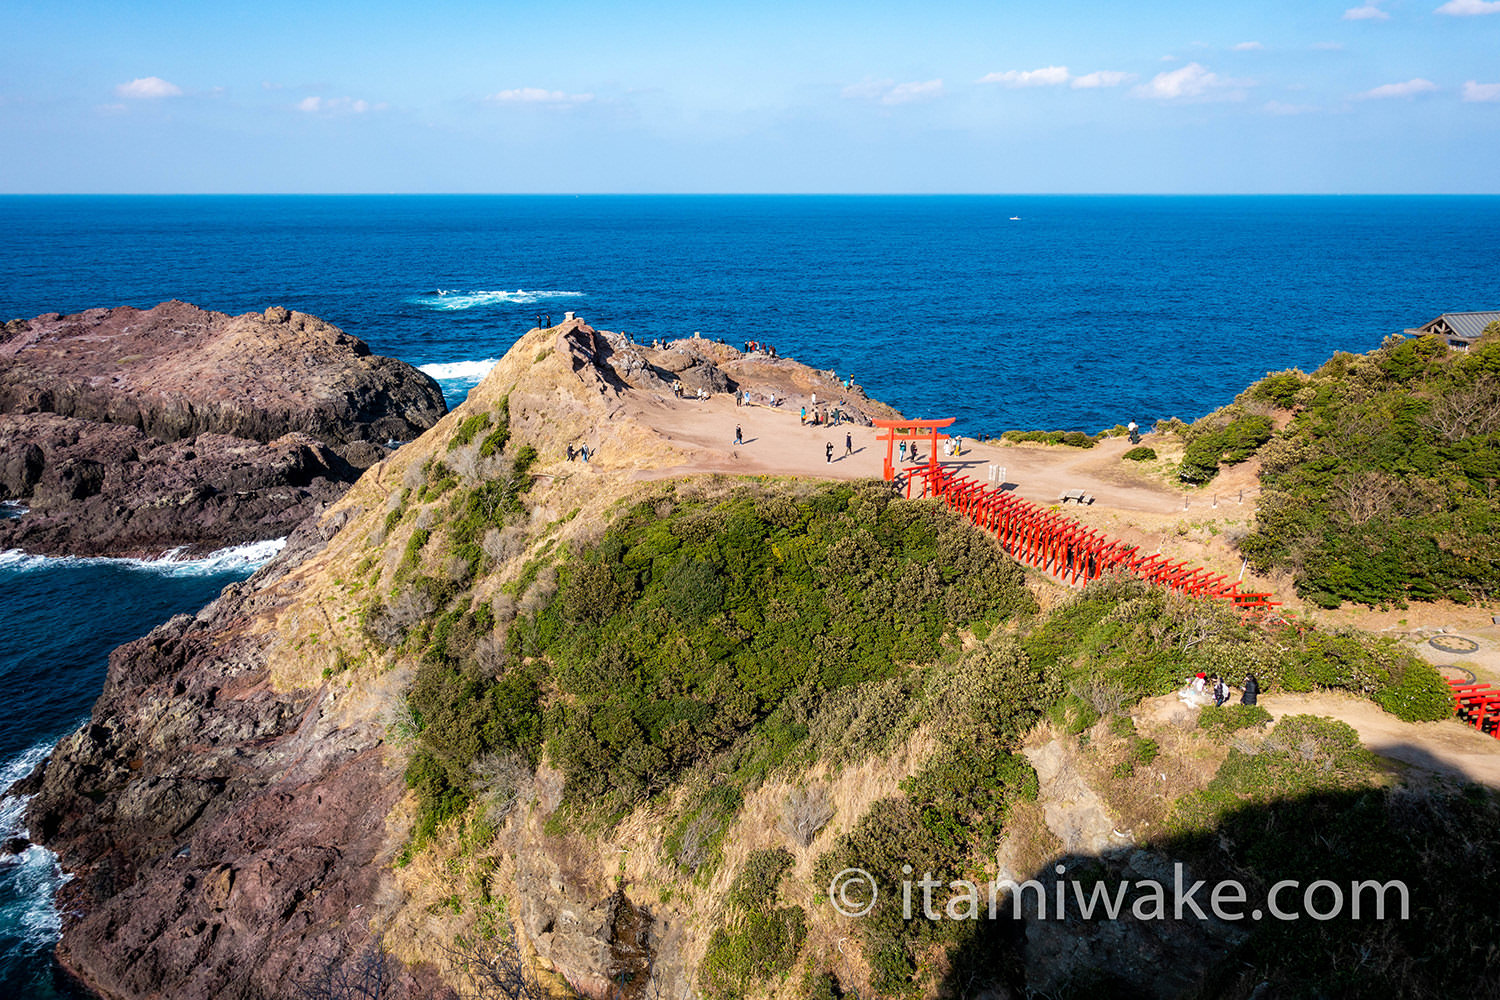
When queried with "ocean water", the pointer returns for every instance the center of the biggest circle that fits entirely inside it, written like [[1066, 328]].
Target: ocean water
[[1002, 311]]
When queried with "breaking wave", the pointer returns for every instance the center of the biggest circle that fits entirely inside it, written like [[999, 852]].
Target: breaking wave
[[235, 558], [460, 371], [450, 299]]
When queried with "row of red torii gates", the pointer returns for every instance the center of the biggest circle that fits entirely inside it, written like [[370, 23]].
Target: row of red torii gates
[[1044, 538]]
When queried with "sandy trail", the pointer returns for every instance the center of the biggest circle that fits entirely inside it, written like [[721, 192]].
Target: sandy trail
[[776, 443], [1448, 748]]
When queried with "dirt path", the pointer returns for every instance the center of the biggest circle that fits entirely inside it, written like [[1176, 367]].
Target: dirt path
[[1448, 748], [776, 443]]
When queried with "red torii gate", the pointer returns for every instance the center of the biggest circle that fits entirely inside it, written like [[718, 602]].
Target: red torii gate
[[911, 430]]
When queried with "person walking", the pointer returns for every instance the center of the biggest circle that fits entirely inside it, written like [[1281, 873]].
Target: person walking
[[1250, 690], [848, 443], [828, 452], [739, 437]]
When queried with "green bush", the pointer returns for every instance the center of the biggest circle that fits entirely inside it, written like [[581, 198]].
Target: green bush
[[1140, 453], [754, 888], [467, 429], [1232, 718], [755, 947], [1209, 447]]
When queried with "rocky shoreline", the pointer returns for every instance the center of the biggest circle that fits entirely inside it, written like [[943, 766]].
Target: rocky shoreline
[[128, 432]]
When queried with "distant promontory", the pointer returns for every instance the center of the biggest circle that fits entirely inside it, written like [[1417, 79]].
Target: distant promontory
[[129, 432]]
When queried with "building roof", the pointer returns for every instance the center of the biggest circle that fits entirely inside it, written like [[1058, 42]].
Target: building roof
[[1460, 325]]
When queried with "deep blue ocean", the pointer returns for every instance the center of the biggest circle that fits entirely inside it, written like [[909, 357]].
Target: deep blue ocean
[[1003, 311]]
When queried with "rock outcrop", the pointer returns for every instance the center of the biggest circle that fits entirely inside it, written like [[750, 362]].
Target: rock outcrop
[[131, 432]]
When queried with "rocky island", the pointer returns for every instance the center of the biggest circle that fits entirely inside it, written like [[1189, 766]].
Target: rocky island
[[609, 728], [129, 432]]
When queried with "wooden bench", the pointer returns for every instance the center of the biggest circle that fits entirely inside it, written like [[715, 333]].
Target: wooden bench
[[1077, 496]]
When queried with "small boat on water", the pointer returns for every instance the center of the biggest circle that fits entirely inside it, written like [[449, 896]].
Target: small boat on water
[[1015, 218]]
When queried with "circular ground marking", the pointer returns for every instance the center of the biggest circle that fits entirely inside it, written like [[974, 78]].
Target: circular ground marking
[[1453, 644], [1452, 671]]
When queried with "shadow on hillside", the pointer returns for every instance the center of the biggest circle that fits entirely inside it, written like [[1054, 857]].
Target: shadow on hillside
[[1337, 852]]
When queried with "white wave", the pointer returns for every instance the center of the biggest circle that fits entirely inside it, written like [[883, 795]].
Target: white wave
[[234, 559], [447, 299], [31, 877], [460, 371], [12, 509]]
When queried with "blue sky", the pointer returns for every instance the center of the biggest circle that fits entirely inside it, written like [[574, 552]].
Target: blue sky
[[1391, 96]]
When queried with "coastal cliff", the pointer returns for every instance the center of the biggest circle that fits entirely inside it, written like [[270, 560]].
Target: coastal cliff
[[634, 712], [130, 432]]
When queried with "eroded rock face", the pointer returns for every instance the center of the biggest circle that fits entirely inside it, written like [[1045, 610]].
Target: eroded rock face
[[225, 836], [128, 432]]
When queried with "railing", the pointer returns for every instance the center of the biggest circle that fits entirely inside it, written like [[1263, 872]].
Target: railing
[[1068, 550]]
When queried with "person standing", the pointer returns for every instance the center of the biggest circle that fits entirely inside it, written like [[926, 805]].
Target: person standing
[[828, 452], [1251, 690], [848, 443]]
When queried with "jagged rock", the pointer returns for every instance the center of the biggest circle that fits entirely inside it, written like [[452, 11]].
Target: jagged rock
[[129, 433]]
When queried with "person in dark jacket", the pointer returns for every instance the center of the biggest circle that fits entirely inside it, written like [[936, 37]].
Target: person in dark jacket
[[1251, 690]]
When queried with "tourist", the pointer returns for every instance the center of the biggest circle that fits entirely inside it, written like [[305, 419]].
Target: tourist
[[804, 416], [570, 453], [848, 443], [828, 452], [1221, 693], [739, 437], [1251, 690]]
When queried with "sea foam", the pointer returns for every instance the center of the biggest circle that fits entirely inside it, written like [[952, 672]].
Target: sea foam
[[235, 558], [29, 880], [460, 371], [450, 299]]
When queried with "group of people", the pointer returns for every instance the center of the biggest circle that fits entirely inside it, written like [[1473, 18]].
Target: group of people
[[822, 417], [582, 451], [756, 347], [700, 393], [1214, 687]]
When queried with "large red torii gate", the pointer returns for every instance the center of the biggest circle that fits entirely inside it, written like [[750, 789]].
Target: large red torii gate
[[910, 430]]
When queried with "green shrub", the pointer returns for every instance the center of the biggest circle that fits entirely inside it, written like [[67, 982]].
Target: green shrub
[[1225, 719], [467, 429], [1140, 453], [754, 888], [755, 947]]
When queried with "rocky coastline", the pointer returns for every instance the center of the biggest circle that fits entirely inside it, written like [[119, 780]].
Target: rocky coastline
[[129, 432]]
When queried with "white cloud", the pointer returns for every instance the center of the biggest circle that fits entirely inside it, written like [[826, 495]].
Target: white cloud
[[1191, 81], [1369, 12], [1102, 78], [908, 93], [1410, 88], [1049, 76], [1248, 47], [148, 88], [1469, 8], [536, 95], [1283, 110], [890, 92], [1483, 93], [336, 106]]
